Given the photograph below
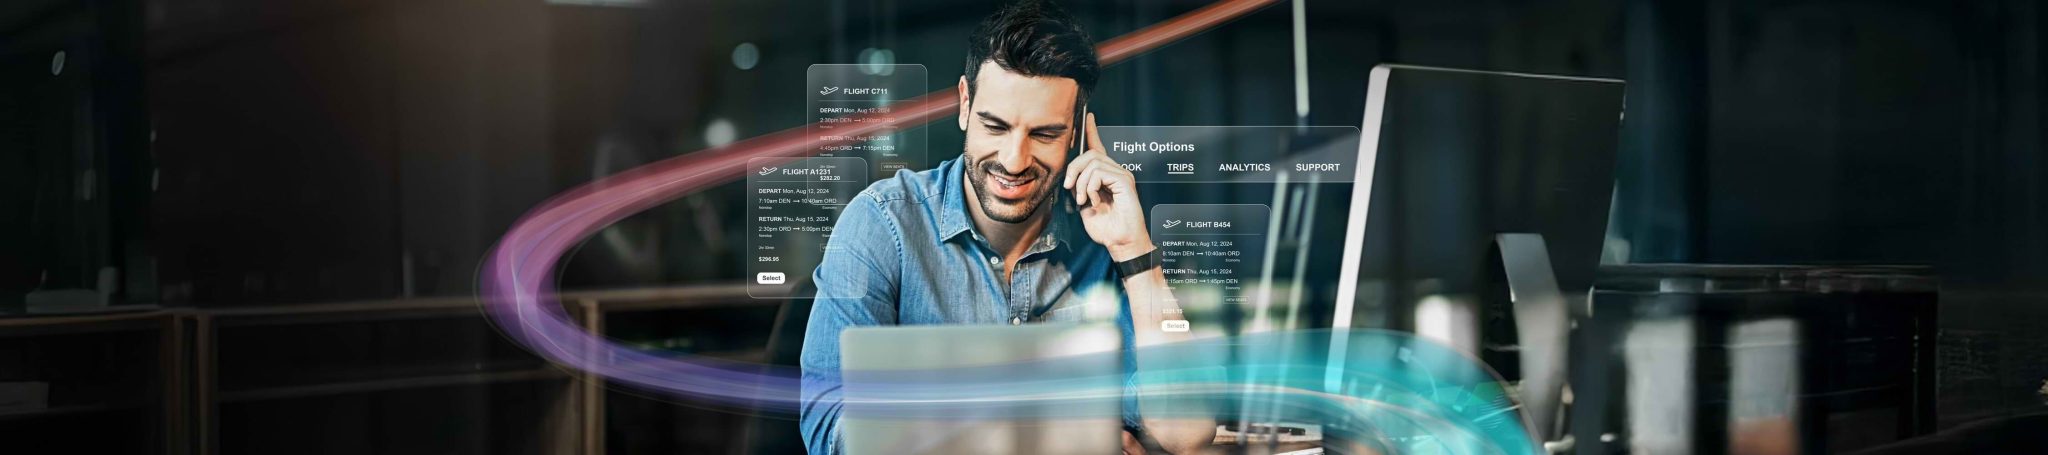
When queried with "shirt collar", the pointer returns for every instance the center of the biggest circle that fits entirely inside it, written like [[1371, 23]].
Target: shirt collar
[[952, 201], [954, 216]]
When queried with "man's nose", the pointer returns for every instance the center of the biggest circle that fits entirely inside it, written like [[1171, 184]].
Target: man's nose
[[1015, 156]]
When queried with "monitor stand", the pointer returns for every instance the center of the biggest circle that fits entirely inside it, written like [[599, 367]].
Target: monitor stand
[[1542, 326]]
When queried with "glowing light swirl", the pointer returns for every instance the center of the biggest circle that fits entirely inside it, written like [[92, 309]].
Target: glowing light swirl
[[518, 298]]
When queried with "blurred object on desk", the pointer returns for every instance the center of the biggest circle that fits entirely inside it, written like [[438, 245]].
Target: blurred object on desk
[[1755, 359]]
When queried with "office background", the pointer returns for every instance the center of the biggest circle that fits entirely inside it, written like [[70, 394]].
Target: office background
[[327, 174]]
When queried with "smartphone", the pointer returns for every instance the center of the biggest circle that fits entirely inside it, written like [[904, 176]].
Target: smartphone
[[1081, 131], [1080, 146]]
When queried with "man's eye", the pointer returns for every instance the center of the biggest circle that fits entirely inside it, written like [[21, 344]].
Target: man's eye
[[994, 129], [1046, 136]]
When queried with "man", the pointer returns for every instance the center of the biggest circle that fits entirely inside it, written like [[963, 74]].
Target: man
[[986, 239]]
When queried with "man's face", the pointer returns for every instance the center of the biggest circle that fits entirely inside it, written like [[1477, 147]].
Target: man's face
[[1018, 130]]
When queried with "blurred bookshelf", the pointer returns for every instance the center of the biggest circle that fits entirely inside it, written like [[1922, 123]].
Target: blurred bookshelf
[[73, 381], [396, 376]]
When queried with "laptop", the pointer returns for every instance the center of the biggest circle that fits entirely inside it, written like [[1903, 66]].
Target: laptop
[[1039, 388]]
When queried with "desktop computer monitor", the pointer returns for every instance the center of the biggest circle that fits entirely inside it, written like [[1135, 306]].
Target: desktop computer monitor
[[1448, 161]]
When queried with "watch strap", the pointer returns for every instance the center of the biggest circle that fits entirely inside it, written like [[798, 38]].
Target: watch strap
[[1140, 264]]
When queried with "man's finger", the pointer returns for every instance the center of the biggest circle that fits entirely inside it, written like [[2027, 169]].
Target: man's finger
[[1074, 168], [1098, 181], [1116, 178], [1084, 187]]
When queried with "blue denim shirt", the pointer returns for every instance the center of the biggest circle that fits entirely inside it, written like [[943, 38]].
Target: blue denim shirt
[[905, 251]]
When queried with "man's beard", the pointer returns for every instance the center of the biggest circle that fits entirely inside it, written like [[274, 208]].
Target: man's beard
[[978, 175]]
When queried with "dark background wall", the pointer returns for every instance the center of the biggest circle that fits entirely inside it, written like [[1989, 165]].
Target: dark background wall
[[266, 152]]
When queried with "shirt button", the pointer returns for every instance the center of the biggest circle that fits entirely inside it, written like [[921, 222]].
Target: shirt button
[[995, 261], [1016, 320]]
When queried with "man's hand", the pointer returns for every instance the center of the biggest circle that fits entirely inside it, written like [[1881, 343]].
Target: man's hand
[[1108, 197], [1131, 445]]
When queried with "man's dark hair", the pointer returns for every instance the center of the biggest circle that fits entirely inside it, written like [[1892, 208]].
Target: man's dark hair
[[1033, 38]]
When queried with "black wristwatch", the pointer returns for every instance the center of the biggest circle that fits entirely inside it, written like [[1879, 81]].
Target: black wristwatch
[[1140, 264]]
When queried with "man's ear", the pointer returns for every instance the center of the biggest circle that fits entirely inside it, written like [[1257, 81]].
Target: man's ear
[[964, 99]]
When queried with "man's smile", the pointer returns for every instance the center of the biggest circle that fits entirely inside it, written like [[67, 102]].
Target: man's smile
[[1010, 188]]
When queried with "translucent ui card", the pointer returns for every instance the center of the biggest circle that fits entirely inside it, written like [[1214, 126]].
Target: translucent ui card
[[792, 205], [1211, 252], [852, 114], [1234, 154]]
